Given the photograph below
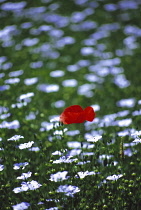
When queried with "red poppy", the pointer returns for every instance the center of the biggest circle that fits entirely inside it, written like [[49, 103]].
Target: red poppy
[[75, 114]]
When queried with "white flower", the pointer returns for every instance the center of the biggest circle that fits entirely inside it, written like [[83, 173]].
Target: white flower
[[137, 141], [86, 173], [114, 177], [15, 138], [59, 176], [26, 145], [94, 139]]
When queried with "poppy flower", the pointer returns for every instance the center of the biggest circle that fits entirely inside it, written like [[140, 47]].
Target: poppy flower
[[75, 114]]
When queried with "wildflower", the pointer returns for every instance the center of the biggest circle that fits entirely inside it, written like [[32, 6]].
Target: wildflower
[[114, 177], [75, 114]]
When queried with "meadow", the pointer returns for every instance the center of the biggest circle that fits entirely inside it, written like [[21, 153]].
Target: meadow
[[54, 55]]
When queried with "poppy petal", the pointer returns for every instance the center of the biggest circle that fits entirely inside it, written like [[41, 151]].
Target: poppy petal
[[70, 117], [89, 113], [73, 108], [65, 118], [72, 114], [79, 117]]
